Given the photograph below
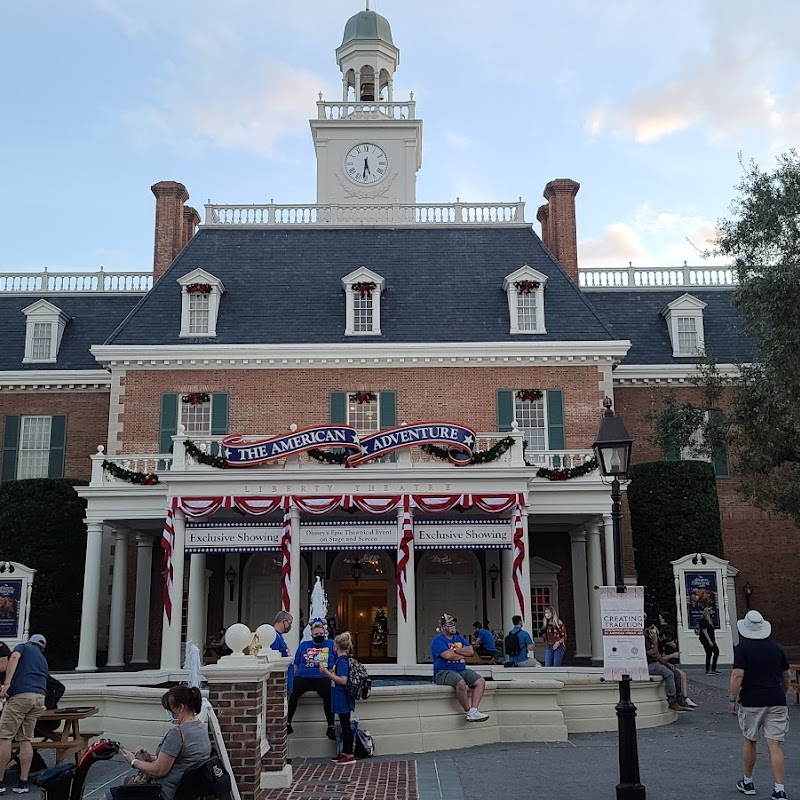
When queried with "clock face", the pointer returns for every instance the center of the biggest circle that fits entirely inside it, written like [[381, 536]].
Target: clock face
[[366, 163]]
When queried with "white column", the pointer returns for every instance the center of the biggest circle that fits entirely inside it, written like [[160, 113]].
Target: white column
[[119, 587], [407, 628], [595, 579], [510, 604], [195, 612], [358, 86], [171, 632], [141, 612], [90, 608], [230, 608], [580, 593], [608, 539], [293, 637], [527, 612]]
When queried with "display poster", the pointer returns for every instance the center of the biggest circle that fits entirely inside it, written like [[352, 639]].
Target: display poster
[[463, 535], [701, 593], [622, 615], [10, 606], [232, 538]]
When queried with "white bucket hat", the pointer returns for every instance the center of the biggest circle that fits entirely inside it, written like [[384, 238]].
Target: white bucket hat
[[754, 626]]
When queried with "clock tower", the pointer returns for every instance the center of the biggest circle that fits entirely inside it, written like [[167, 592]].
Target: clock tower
[[368, 146]]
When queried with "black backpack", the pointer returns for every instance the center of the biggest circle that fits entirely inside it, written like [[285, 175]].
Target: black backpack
[[359, 683], [208, 779], [511, 644]]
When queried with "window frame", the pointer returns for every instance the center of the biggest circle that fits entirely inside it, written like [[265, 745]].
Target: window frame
[[525, 273], [545, 420], [377, 403], [43, 313], [21, 450], [362, 275], [544, 575], [685, 307], [214, 298], [209, 405]]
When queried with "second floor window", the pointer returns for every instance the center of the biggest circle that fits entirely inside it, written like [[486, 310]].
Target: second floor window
[[526, 311], [530, 416], [364, 415], [687, 335], [199, 309], [34, 447], [42, 341], [363, 313], [196, 418]]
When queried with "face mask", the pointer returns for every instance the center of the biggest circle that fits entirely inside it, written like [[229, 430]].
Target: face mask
[[170, 718], [318, 639], [451, 629]]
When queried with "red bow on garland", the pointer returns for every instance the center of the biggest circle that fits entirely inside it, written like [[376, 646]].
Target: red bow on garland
[[196, 398], [526, 287], [365, 289], [199, 288], [529, 395], [363, 397]]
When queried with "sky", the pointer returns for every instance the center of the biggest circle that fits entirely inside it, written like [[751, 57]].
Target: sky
[[647, 105]]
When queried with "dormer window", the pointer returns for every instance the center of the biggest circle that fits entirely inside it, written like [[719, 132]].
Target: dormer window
[[44, 328], [684, 317], [200, 298], [525, 291], [363, 289]]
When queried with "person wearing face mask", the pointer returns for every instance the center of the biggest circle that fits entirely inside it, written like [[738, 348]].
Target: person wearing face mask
[[554, 634], [185, 745], [449, 668], [283, 624], [309, 678]]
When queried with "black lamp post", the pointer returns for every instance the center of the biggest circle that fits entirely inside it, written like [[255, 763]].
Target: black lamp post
[[612, 449], [356, 568], [230, 576], [494, 574], [748, 591]]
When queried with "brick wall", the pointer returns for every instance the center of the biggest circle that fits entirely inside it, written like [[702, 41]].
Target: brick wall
[[268, 401], [757, 543], [87, 422]]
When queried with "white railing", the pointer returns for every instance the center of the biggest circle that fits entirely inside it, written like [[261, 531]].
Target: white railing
[[275, 215], [654, 278], [364, 110], [133, 462], [557, 459], [48, 282]]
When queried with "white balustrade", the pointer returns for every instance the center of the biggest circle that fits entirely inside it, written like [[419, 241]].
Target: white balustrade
[[631, 277], [150, 463], [363, 110], [56, 282], [274, 215], [557, 459]]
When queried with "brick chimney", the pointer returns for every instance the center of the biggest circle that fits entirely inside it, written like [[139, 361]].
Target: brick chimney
[[561, 236], [170, 197], [191, 219], [543, 215]]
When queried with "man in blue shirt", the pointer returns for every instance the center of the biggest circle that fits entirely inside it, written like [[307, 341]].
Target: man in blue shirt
[[450, 669], [283, 624], [518, 644], [24, 688], [483, 641]]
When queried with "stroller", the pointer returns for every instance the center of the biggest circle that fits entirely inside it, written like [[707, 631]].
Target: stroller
[[66, 781]]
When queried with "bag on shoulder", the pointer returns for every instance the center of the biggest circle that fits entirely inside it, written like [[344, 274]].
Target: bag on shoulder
[[364, 744], [359, 683], [214, 779], [511, 644]]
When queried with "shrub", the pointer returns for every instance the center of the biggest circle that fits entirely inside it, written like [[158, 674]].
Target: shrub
[[41, 526], [674, 510]]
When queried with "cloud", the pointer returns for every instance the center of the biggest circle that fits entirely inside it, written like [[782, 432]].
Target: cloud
[[458, 140], [618, 245]]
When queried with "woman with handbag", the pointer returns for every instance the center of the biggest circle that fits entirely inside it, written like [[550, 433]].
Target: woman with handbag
[[554, 633], [185, 745]]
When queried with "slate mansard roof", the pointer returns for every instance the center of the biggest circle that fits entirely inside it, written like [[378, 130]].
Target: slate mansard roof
[[636, 315], [92, 318], [442, 285]]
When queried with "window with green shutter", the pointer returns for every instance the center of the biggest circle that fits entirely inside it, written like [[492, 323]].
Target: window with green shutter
[[10, 447], [169, 422], [58, 441]]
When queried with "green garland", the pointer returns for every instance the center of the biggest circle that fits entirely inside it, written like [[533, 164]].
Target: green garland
[[201, 457], [130, 475], [336, 457], [566, 474], [481, 457]]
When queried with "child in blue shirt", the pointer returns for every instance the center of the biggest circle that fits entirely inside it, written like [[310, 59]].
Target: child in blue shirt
[[341, 701]]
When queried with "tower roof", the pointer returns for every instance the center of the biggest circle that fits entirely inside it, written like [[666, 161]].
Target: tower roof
[[367, 25]]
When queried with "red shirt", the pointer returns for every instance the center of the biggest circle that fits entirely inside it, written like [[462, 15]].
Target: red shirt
[[554, 633]]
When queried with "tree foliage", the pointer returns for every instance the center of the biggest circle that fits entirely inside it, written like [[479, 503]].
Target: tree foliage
[[41, 526], [674, 510]]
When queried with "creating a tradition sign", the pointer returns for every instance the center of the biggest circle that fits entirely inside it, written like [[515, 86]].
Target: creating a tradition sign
[[457, 439], [232, 538], [464, 535], [348, 536], [622, 615]]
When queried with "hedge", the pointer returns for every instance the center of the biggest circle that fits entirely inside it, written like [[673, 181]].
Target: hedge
[[674, 509], [41, 526]]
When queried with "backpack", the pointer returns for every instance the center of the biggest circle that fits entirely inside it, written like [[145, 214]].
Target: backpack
[[210, 778], [359, 683], [365, 744], [511, 644], [53, 693]]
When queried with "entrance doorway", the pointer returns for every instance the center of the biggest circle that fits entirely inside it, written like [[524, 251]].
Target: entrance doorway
[[362, 611]]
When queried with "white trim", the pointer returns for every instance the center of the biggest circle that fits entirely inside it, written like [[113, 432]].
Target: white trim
[[630, 374], [525, 273], [365, 275], [337, 356], [685, 307], [43, 313], [55, 379], [217, 290]]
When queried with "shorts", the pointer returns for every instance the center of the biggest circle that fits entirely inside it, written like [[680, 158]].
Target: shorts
[[19, 716], [452, 677], [771, 721]]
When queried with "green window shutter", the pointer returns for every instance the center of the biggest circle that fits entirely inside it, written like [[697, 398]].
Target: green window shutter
[[555, 420], [720, 455], [10, 446], [219, 414], [169, 422], [387, 409], [338, 415], [58, 438], [672, 452], [505, 409]]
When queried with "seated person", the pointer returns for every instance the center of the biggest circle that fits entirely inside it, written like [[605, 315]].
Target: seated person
[[185, 745], [658, 665], [483, 641], [449, 668], [668, 647]]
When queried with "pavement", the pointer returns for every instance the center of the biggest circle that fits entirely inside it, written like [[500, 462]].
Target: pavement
[[699, 755]]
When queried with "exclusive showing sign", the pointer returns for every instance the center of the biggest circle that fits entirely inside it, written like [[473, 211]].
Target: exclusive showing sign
[[457, 439], [232, 538], [467, 535]]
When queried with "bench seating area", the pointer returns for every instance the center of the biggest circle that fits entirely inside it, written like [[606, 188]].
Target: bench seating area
[[66, 748]]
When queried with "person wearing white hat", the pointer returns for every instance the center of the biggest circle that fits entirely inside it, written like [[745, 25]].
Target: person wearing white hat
[[759, 682]]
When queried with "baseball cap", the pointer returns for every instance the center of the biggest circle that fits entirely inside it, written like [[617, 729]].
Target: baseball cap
[[37, 638]]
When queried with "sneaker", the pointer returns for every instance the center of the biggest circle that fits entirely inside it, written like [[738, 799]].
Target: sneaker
[[746, 788], [345, 758], [778, 794], [22, 787], [3, 788], [473, 715], [715, 672], [690, 703]]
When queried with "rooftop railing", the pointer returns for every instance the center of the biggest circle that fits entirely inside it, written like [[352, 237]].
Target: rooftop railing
[[366, 110], [45, 282], [631, 277]]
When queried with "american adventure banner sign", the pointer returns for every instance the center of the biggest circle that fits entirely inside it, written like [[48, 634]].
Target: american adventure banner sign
[[459, 441]]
